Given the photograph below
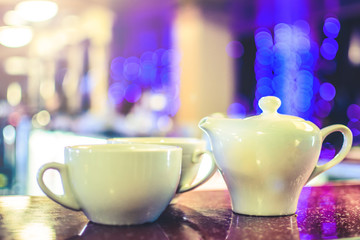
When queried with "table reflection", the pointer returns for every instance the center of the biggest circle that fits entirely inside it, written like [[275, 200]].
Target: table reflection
[[249, 227], [98, 231], [326, 212]]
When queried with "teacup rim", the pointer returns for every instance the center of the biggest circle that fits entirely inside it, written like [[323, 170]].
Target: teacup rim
[[155, 140], [123, 147]]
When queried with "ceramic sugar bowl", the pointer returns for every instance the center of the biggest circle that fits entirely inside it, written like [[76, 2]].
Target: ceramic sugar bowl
[[267, 159]]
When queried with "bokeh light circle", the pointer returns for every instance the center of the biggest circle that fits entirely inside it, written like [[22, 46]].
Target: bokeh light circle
[[235, 49], [327, 91], [331, 27], [116, 93], [329, 48], [353, 112], [322, 108], [236, 110], [117, 66], [133, 93], [354, 125], [263, 39]]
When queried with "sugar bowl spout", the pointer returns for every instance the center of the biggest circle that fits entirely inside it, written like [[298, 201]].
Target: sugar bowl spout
[[217, 126]]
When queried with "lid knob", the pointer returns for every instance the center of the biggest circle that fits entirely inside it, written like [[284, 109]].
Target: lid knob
[[269, 104]]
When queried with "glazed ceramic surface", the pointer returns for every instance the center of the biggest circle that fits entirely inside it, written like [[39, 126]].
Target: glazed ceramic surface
[[193, 152], [117, 184], [267, 159]]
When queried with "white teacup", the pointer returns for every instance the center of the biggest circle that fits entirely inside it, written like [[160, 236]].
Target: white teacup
[[193, 152], [117, 184]]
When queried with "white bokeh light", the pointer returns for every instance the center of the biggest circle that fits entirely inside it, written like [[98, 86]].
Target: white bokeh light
[[36, 11], [14, 37]]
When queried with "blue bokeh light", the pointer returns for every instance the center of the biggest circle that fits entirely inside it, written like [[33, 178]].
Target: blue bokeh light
[[133, 93], [263, 91], [154, 72], [264, 81], [264, 56], [304, 79], [331, 27], [302, 43], [263, 39], [262, 71], [329, 48], [284, 67], [147, 74], [327, 91], [316, 85], [303, 101], [165, 76], [307, 59]]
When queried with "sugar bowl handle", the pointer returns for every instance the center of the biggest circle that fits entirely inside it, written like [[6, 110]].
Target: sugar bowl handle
[[67, 199], [346, 146]]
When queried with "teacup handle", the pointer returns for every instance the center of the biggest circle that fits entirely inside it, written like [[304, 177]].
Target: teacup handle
[[195, 159], [67, 199], [346, 146]]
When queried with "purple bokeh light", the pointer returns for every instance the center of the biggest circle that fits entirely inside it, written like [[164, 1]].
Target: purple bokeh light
[[170, 57], [328, 151], [173, 106], [116, 92], [236, 110], [353, 112], [354, 125], [303, 26], [131, 71], [322, 108], [149, 58], [159, 54], [117, 67], [235, 49]]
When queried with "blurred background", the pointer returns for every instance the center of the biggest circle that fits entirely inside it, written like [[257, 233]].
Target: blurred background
[[74, 72]]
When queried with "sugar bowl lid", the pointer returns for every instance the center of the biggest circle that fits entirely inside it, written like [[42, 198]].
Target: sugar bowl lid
[[272, 121], [269, 106]]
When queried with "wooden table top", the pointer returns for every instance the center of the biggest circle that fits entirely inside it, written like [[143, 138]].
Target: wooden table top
[[327, 212]]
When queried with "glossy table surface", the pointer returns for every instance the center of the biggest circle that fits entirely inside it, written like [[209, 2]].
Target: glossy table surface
[[328, 212]]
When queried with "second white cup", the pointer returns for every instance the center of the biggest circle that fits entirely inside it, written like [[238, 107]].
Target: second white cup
[[193, 152]]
